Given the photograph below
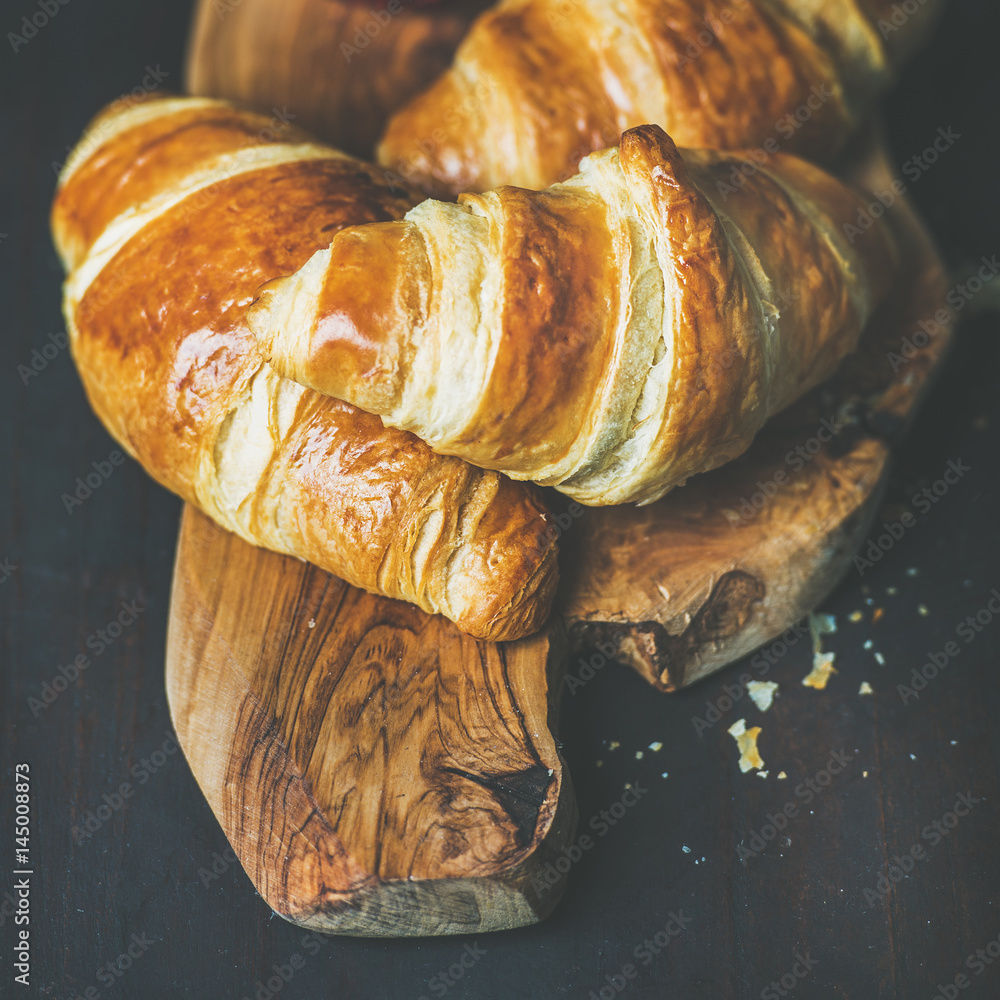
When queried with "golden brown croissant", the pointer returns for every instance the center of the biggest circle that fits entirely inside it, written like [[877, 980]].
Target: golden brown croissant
[[169, 215], [610, 336], [537, 84]]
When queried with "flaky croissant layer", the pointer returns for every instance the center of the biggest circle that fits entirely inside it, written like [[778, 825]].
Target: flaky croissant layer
[[537, 84], [169, 215], [609, 336]]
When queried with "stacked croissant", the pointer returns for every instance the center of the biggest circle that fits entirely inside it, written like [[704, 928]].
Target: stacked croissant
[[333, 366]]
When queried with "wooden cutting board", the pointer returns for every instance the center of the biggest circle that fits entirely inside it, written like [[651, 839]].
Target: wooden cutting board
[[378, 773], [337, 68]]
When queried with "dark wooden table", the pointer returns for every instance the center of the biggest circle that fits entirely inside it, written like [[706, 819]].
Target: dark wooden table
[[837, 902]]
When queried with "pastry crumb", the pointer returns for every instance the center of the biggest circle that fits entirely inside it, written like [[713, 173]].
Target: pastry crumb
[[922, 610], [312, 622], [614, 745], [879, 659], [865, 688], [763, 774], [855, 617], [762, 693], [820, 674], [638, 755], [746, 741], [819, 625], [782, 776], [656, 747], [877, 616]]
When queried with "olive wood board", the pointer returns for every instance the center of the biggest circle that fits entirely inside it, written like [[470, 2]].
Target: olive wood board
[[339, 68], [379, 773]]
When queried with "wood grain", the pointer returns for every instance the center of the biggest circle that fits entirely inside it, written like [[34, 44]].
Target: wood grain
[[140, 872], [341, 68], [377, 771], [689, 584]]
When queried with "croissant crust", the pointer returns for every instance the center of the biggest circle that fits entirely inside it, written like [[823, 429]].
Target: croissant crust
[[169, 215]]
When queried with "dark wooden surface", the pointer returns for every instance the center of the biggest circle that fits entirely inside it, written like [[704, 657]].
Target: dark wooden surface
[[147, 871]]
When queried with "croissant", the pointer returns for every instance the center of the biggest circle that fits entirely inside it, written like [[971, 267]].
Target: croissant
[[169, 214], [537, 84], [610, 336]]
